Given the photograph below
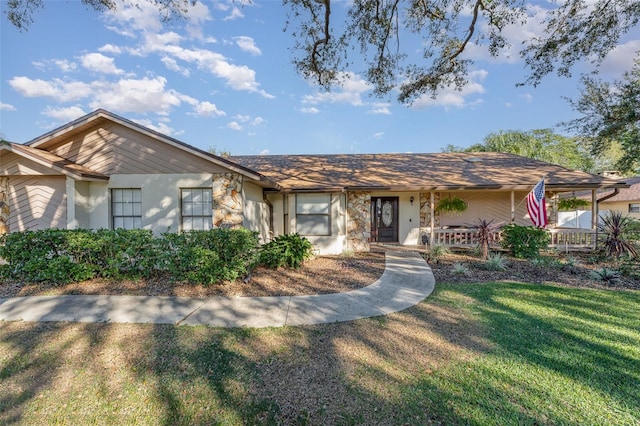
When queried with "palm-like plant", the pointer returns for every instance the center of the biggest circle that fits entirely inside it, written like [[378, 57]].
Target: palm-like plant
[[485, 234], [613, 229]]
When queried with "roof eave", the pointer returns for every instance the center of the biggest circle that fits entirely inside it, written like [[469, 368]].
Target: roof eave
[[104, 114]]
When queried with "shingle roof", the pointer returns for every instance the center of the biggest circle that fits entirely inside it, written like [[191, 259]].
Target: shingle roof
[[625, 194], [439, 171]]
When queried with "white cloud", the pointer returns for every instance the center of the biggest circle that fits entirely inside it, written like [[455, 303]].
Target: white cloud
[[258, 121], [172, 65], [110, 48], [310, 110], [207, 109], [381, 108], [64, 114], [135, 95], [451, 97], [128, 18], [161, 127], [65, 65], [620, 59], [143, 23], [264, 152], [57, 89], [97, 62], [242, 118], [6, 107], [378, 135], [236, 13], [247, 44], [234, 125], [516, 35], [527, 97], [350, 92]]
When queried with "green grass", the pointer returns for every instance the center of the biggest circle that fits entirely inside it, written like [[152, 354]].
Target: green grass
[[494, 353], [560, 356]]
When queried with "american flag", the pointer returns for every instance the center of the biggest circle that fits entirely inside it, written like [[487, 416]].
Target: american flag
[[536, 205]]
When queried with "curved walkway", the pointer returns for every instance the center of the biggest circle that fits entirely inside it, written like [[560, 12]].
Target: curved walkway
[[407, 280]]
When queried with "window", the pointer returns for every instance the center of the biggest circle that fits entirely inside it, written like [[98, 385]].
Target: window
[[126, 208], [634, 208], [313, 214], [197, 209]]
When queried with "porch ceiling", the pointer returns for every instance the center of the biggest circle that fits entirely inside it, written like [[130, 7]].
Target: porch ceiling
[[419, 172]]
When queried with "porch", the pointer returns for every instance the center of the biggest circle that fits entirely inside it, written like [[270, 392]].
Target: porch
[[565, 239]]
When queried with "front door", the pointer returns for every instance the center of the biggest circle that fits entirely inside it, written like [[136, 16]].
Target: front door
[[384, 219]]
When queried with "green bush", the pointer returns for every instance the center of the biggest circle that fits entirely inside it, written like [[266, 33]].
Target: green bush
[[63, 256], [495, 262], [45, 255], [286, 250], [524, 242], [208, 257]]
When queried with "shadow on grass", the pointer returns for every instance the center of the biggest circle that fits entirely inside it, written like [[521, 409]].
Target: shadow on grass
[[561, 356], [470, 354]]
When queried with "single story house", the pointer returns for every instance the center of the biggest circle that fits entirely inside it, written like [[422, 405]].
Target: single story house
[[105, 171]]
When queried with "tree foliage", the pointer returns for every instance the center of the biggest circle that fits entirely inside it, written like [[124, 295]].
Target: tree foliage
[[610, 116], [327, 48], [541, 144]]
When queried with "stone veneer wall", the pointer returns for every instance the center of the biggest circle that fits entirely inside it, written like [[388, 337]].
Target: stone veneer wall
[[359, 220], [425, 209], [227, 200], [4, 204]]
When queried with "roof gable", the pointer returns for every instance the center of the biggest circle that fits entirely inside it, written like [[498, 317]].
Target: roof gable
[[112, 144]]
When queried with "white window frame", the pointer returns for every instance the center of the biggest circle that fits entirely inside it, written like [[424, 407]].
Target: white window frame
[[634, 207], [126, 208], [313, 209], [196, 209]]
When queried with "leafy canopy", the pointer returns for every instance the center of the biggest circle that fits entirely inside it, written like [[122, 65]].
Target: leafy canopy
[[572, 31], [610, 117], [540, 144]]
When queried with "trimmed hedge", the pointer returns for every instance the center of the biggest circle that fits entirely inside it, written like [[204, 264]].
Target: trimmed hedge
[[204, 257], [64, 256]]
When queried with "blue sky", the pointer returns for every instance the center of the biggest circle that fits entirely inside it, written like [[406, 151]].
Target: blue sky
[[224, 80]]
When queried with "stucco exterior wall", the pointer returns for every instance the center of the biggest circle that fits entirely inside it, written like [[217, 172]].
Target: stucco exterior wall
[[160, 199], [620, 206], [256, 211]]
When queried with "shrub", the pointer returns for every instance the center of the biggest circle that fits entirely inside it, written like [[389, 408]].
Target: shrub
[[495, 262], [460, 269], [437, 252], [286, 250], [524, 242], [607, 275], [63, 256], [44, 255], [614, 231], [485, 234], [208, 257]]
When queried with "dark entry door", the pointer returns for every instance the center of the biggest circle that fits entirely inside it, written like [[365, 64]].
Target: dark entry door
[[384, 219]]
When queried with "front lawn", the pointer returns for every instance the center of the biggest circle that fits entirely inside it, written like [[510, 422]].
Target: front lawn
[[493, 353]]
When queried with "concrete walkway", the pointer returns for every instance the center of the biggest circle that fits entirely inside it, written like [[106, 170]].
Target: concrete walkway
[[407, 280]]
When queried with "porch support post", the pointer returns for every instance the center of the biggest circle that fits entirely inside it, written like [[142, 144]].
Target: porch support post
[[432, 222], [594, 210], [594, 217], [513, 206], [71, 203]]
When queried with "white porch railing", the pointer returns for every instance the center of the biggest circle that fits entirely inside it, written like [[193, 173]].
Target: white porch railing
[[573, 238], [561, 238]]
